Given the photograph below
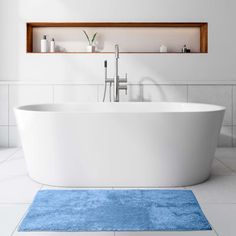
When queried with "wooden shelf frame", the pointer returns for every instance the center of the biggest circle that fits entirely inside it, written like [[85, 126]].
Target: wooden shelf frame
[[203, 26]]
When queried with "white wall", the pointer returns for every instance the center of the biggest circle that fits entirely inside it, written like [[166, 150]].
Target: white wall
[[198, 77], [219, 64]]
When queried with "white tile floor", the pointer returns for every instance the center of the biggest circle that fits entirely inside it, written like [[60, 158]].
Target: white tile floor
[[217, 197]]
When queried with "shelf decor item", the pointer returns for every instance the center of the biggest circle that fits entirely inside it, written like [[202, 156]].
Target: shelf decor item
[[198, 40], [91, 46], [44, 44], [163, 49]]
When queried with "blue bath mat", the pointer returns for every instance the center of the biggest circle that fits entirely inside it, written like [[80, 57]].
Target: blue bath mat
[[114, 210]]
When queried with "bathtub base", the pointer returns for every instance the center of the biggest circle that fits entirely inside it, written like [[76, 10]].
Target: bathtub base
[[119, 145]]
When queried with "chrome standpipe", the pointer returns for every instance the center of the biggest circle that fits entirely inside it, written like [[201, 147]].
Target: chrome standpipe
[[115, 81]]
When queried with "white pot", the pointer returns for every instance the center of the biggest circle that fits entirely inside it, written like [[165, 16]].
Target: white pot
[[163, 49], [90, 48]]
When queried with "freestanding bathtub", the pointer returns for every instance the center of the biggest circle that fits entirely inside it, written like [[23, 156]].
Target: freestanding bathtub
[[119, 144]]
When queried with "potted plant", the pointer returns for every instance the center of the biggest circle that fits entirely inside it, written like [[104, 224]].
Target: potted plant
[[91, 46]]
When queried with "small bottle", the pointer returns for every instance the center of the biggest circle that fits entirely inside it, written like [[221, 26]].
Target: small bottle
[[44, 44], [52, 45], [184, 49]]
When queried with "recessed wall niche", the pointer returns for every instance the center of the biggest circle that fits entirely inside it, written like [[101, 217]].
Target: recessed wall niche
[[135, 37]]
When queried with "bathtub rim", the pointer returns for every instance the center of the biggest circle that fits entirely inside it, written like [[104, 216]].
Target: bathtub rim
[[208, 108]]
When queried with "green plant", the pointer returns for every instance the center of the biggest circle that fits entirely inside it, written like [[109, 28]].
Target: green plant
[[90, 41]]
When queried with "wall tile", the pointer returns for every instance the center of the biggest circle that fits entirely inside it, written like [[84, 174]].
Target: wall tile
[[234, 136], [213, 94], [225, 138], [133, 94], [3, 136], [234, 105], [3, 105], [14, 138], [28, 94], [163, 93], [75, 93]]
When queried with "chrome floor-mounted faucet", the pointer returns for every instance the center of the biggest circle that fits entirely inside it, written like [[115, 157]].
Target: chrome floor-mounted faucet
[[117, 81]]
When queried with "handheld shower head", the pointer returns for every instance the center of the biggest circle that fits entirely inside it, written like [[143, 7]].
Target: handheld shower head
[[117, 51]]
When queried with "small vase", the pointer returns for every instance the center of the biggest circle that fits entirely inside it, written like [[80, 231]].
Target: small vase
[[163, 49], [90, 48]]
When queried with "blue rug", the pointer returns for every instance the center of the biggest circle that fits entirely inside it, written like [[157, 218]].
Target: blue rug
[[114, 210]]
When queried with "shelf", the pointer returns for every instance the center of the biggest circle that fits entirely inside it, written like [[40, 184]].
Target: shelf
[[113, 53], [125, 29]]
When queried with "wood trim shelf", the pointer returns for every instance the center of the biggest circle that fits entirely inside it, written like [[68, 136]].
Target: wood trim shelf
[[113, 53], [202, 25]]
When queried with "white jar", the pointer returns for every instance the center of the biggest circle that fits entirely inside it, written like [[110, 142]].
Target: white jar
[[44, 43], [163, 49], [90, 48]]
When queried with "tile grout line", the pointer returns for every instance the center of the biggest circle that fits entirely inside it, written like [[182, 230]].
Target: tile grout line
[[19, 222], [9, 157], [23, 216], [8, 114], [226, 165], [232, 115], [187, 93], [53, 94], [98, 93]]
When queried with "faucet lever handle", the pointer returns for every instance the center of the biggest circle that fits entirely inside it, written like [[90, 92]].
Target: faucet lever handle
[[123, 87], [124, 80]]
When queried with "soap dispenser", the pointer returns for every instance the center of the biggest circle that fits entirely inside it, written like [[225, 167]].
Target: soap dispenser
[[44, 44], [184, 49]]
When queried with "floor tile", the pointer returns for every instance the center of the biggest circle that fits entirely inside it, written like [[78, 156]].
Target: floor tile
[[218, 189], [19, 154], [5, 153], [222, 217], [218, 168], [227, 156], [18, 189], [214, 196], [48, 187], [191, 233], [10, 215], [13, 168], [63, 234]]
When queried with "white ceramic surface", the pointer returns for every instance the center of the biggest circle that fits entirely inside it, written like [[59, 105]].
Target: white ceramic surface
[[119, 144]]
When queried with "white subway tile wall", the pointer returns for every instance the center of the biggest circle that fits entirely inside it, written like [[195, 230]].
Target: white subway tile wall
[[4, 105], [3, 136], [220, 95], [15, 95], [75, 93], [225, 139], [164, 93], [26, 95], [234, 105], [14, 138], [234, 136]]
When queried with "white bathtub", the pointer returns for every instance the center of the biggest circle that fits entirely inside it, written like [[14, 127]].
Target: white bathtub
[[119, 144]]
